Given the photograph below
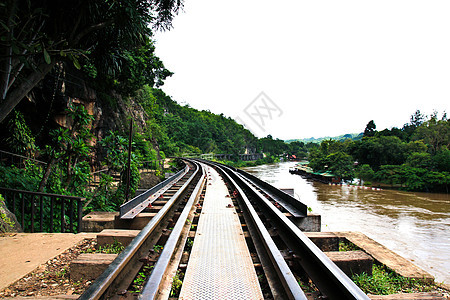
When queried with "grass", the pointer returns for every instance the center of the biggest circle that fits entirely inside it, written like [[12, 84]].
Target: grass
[[384, 282], [114, 248], [347, 246], [61, 273]]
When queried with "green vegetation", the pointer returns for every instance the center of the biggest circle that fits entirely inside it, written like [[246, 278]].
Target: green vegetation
[[63, 56], [177, 282], [85, 81], [415, 157], [158, 248], [6, 224], [343, 137], [61, 273], [306, 285], [347, 246], [141, 277], [181, 129], [384, 282], [242, 164], [189, 244], [114, 248], [138, 282], [107, 40], [68, 171]]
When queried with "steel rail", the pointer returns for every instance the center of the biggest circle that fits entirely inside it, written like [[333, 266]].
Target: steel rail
[[133, 207], [292, 205], [130, 256], [153, 285], [330, 280], [291, 287]]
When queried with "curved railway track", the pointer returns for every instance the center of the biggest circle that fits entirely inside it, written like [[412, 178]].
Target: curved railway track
[[282, 254]]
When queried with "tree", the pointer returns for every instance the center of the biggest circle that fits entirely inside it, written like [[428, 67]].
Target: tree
[[333, 156], [298, 149], [383, 150], [70, 149], [442, 159], [272, 146], [35, 35], [420, 160], [341, 164], [434, 133], [417, 119], [365, 172], [370, 129]]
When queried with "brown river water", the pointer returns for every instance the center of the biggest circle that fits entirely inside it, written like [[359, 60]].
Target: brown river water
[[414, 225]]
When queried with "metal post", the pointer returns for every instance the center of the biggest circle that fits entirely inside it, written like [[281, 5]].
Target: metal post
[[127, 193], [71, 214], [63, 229], [32, 213], [14, 203], [52, 202], [41, 213], [79, 214], [23, 212]]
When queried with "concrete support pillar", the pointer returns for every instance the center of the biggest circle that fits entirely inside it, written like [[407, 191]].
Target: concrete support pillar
[[311, 223]]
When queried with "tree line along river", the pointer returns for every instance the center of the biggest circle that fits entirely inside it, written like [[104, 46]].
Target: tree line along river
[[414, 225]]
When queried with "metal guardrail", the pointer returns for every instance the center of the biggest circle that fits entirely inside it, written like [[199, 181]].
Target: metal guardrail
[[151, 164], [198, 155], [33, 203], [20, 157], [131, 208]]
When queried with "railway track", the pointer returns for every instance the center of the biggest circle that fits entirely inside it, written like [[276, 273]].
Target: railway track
[[281, 256]]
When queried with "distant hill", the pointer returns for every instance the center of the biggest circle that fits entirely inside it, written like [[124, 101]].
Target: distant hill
[[353, 136]]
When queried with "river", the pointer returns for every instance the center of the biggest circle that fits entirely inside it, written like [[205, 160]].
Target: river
[[414, 225]]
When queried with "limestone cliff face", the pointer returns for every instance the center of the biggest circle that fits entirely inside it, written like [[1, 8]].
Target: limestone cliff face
[[110, 112], [8, 221], [45, 109]]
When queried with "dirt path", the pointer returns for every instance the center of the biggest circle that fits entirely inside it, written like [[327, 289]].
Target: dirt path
[[21, 253]]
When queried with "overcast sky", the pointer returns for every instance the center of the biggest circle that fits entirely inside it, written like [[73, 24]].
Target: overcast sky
[[297, 69]]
